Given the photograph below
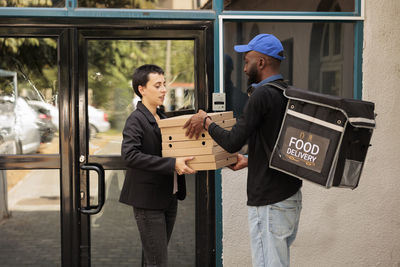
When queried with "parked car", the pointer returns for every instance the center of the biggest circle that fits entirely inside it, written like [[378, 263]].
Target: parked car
[[44, 120], [18, 119], [26, 127], [8, 138], [18, 126], [46, 108], [98, 121]]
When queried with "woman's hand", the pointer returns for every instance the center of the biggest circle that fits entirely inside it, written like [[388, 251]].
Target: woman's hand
[[181, 167]]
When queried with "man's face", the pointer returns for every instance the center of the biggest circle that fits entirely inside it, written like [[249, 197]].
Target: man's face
[[154, 91], [250, 67]]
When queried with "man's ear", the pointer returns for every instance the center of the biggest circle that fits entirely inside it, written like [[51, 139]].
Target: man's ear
[[261, 63]]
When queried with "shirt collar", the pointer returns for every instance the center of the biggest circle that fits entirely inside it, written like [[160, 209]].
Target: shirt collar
[[267, 80], [147, 112]]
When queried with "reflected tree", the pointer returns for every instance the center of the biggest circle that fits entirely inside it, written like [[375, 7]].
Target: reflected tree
[[111, 64], [138, 4], [34, 60], [32, 3]]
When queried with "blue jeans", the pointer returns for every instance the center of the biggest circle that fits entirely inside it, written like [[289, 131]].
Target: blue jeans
[[155, 229], [273, 229]]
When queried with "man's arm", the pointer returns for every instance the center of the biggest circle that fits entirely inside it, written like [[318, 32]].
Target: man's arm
[[195, 124], [241, 163]]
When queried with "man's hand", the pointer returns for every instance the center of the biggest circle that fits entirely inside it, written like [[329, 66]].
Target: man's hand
[[241, 163], [195, 124], [181, 167]]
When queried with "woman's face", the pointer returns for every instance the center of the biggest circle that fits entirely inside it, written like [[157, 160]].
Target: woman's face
[[154, 91]]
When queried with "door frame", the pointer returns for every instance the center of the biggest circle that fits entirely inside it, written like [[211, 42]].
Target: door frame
[[71, 33]]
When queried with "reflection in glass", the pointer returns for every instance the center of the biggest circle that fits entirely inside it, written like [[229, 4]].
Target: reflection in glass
[[114, 235], [289, 5], [319, 56], [32, 3], [28, 96], [30, 218], [147, 4], [110, 95]]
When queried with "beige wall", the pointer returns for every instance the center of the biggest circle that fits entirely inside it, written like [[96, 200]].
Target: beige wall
[[340, 227]]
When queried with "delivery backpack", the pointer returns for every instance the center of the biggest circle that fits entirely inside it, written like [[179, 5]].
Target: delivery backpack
[[323, 139]]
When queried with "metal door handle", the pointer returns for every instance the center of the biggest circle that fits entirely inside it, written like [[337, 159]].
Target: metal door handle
[[94, 209]]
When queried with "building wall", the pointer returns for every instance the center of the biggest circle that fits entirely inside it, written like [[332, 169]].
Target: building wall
[[341, 227]]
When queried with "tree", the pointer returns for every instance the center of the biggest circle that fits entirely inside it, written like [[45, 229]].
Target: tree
[[34, 59]]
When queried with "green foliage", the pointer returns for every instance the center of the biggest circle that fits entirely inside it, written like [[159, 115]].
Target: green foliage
[[34, 59], [110, 66], [111, 63], [139, 4], [32, 3]]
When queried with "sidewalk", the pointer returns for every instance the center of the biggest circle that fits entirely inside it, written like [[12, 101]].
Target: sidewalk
[[32, 236]]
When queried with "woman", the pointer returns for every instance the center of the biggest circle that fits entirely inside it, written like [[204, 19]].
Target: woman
[[150, 185]]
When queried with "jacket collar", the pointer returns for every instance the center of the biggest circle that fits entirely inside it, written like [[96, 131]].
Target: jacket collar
[[142, 108], [268, 79]]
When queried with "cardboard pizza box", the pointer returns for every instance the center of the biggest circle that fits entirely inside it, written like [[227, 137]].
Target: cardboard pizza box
[[182, 136], [181, 120], [188, 152], [188, 144], [180, 130], [212, 165], [213, 157]]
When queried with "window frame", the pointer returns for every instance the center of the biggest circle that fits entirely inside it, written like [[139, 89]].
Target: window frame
[[357, 17]]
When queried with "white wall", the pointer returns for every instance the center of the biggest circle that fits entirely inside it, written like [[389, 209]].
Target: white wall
[[341, 227]]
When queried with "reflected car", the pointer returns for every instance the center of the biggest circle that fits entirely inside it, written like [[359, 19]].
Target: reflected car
[[8, 137], [26, 127], [98, 121], [46, 108], [18, 125], [44, 120]]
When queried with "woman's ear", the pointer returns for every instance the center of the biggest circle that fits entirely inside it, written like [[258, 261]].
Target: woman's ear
[[141, 90]]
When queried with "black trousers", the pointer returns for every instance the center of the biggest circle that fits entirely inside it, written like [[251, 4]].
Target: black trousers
[[155, 228]]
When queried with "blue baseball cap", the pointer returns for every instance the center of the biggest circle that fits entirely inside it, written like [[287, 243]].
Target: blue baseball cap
[[264, 43]]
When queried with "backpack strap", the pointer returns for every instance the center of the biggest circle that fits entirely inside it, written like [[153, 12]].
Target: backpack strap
[[267, 150], [276, 85]]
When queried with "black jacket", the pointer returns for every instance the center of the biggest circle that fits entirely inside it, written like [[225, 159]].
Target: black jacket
[[259, 123], [149, 178]]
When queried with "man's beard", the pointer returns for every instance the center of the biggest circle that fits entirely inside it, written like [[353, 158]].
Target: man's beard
[[252, 76]]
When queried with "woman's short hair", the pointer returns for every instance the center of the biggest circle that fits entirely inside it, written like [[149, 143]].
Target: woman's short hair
[[141, 76]]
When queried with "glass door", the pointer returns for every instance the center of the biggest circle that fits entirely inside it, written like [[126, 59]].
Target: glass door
[[35, 186], [65, 94], [107, 59]]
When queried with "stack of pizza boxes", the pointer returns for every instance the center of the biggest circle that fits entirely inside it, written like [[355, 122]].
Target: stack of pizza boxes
[[208, 155]]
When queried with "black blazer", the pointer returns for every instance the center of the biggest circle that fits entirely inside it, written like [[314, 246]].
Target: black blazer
[[149, 178]]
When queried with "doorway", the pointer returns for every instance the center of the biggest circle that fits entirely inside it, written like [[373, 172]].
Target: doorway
[[80, 75]]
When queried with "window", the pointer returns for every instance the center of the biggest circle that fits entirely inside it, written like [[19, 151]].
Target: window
[[29, 88], [146, 4], [111, 64], [289, 5], [32, 3], [319, 56]]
